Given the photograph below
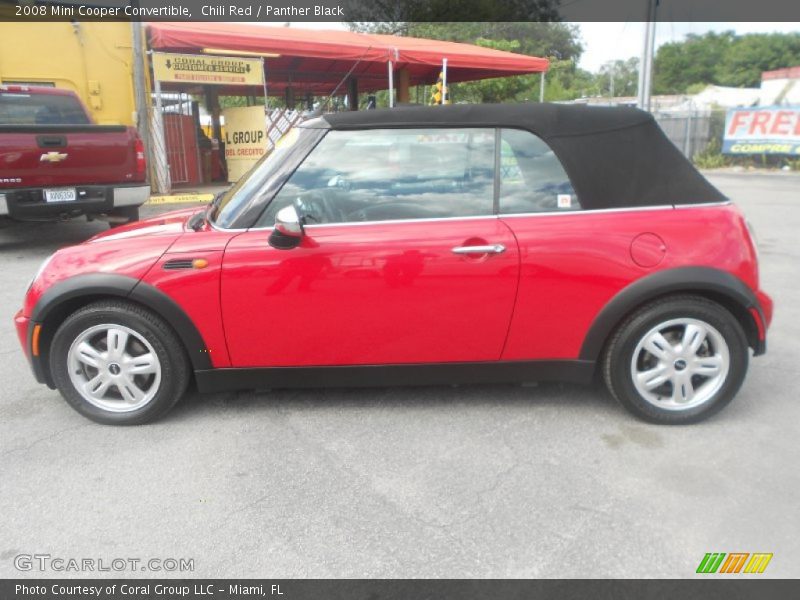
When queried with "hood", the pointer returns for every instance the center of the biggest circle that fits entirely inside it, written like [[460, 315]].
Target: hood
[[129, 250], [169, 223]]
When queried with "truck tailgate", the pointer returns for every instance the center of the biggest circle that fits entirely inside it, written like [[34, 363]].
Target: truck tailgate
[[63, 155]]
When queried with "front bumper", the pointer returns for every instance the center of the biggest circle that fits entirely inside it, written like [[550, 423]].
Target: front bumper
[[28, 204], [22, 323], [25, 333]]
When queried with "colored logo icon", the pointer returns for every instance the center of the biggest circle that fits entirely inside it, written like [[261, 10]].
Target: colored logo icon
[[734, 562]]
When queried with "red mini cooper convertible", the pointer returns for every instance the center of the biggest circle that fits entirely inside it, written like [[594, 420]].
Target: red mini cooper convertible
[[459, 244]]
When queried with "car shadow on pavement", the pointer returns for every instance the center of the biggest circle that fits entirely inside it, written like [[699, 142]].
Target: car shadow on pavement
[[542, 395], [47, 236]]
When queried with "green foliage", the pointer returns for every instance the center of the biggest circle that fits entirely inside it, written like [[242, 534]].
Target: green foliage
[[236, 101], [722, 59], [751, 54], [560, 42], [696, 88], [625, 75], [391, 11], [680, 67], [711, 157]]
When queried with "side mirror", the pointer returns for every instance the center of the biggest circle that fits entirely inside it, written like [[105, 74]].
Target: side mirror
[[288, 229]]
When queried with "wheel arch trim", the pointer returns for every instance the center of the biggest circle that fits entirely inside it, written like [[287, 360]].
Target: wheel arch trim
[[99, 285], [708, 281]]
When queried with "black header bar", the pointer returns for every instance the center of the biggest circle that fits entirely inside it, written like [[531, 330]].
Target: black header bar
[[280, 11]]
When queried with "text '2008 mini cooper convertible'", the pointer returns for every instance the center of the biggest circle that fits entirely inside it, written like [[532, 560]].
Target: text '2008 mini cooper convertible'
[[459, 244]]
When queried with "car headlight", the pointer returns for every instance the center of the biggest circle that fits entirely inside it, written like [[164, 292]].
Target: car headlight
[[40, 270]]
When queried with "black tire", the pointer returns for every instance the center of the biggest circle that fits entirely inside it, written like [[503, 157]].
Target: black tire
[[618, 357], [129, 213], [174, 367]]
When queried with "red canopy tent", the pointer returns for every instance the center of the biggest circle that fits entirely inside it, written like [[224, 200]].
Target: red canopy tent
[[317, 61]]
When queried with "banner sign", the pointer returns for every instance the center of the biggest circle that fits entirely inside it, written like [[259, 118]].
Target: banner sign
[[245, 139], [214, 70], [762, 130]]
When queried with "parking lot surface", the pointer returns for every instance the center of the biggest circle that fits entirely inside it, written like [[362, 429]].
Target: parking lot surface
[[478, 481]]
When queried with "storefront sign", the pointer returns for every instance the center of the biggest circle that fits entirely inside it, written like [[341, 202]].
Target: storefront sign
[[214, 70], [773, 130], [245, 139]]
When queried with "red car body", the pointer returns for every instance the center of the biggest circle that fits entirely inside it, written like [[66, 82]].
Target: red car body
[[537, 302], [393, 303]]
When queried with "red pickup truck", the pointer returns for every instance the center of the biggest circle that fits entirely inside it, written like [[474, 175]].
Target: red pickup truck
[[56, 164]]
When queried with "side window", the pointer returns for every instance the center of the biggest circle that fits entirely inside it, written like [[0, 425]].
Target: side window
[[391, 174], [531, 176]]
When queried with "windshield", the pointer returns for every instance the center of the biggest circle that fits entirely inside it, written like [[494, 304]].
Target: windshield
[[241, 204]]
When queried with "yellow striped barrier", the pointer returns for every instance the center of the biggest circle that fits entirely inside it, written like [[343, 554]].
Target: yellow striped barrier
[[190, 198]]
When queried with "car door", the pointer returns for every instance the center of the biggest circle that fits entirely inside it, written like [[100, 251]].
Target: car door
[[572, 261], [403, 260]]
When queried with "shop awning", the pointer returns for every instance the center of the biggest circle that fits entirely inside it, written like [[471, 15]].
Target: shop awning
[[316, 61]]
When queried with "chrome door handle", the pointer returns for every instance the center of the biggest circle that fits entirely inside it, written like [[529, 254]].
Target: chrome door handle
[[490, 249]]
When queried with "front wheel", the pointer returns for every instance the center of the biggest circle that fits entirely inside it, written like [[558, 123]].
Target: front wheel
[[677, 360], [117, 363]]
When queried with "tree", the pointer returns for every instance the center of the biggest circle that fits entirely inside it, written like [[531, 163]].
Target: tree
[[408, 11], [621, 75], [693, 60], [560, 42], [751, 54], [722, 59]]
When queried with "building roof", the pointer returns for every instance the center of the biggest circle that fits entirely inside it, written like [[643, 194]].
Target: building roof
[[616, 157], [317, 61], [789, 73]]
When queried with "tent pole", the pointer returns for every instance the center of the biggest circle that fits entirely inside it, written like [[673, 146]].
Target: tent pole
[[445, 93], [391, 85]]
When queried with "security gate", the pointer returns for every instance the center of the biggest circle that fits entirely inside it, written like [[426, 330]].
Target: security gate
[[177, 153]]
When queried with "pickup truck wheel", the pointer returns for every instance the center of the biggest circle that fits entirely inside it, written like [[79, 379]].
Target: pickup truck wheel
[[677, 360], [117, 363], [129, 213]]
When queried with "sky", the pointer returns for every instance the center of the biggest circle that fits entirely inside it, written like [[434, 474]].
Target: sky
[[604, 42]]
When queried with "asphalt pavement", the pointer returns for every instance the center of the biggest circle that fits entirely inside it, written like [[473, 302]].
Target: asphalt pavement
[[478, 481]]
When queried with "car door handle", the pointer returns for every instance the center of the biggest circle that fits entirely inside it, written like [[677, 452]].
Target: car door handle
[[490, 249]]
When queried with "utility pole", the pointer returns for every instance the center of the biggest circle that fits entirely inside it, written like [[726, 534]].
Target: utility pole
[[611, 77], [140, 91], [646, 64], [541, 87]]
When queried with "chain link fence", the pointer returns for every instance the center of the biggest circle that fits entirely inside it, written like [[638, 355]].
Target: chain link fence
[[691, 131]]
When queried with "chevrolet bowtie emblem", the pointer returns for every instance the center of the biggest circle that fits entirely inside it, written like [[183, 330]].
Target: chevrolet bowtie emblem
[[52, 157]]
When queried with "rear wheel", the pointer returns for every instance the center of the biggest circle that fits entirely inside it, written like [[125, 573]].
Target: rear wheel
[[118, 363], [677, 360]]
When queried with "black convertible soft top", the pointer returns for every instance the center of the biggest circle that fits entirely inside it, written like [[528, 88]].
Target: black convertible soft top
[[616, 157]]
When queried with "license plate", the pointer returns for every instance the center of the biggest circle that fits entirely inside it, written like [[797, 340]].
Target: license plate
[[60, 195]]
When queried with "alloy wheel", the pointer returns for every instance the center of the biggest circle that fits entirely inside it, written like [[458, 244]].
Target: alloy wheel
[[114, 368], [680, 364]]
